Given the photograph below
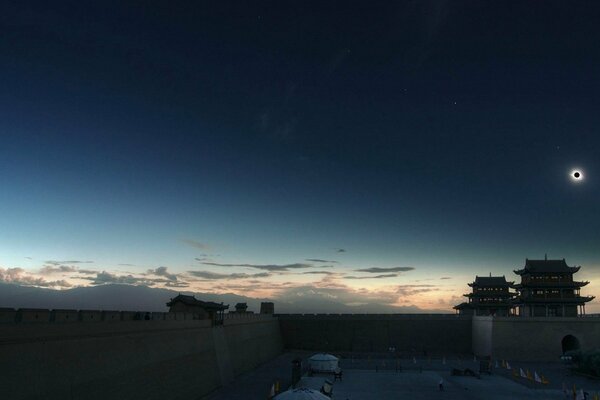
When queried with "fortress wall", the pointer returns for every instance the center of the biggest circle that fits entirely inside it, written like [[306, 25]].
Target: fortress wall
[[90, 315], [435, 333], [482, 335], [130, 359], [32, 315], [68, 354], [7, 315], [540, 338], [252, 341], [111, 316], [64, 315]]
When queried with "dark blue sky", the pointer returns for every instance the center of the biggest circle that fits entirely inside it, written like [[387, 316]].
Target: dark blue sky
[[435, 135]]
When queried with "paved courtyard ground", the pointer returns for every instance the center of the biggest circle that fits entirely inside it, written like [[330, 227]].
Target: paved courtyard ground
[[362, 385], [366, 378]]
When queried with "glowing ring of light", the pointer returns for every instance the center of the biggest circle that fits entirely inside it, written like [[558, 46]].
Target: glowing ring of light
[[576, 175]]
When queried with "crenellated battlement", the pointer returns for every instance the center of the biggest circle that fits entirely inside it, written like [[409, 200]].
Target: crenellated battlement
[[59, 316], [375, 316]]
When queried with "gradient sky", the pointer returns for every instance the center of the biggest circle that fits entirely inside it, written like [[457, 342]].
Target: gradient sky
[[427, 140]]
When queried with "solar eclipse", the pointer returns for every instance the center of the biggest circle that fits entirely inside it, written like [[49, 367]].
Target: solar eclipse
[[576, 175]]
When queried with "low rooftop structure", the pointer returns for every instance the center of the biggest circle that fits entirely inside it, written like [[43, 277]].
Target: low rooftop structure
[[203, 309], [267, 307], [241, 308]]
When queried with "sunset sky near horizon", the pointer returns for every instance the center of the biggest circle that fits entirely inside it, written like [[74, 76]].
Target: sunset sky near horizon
[[277, 149]]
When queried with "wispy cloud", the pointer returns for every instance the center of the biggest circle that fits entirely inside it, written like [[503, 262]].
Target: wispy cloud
[[196, 244], [207, 258], [319, 273], [319, 260], [269, 267], [411, 290], [340, 250], [215, 276], [445, 277], [68, 262], [177, 284], [377, 270], [372, 277]]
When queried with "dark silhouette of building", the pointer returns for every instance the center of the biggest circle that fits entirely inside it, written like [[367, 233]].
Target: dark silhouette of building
[[241, 308], [267, 307], [547, 289], [200, 309], [491, 295]]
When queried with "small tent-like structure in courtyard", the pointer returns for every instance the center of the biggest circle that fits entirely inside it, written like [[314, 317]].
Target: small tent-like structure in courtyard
[[301, 394], [323, 363]]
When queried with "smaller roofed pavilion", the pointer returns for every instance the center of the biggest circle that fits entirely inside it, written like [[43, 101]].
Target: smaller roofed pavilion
[[547, 289], [200, 309], [491, 295]]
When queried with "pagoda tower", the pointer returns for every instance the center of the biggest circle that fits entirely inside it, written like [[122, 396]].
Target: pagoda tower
[[490, 296], [547, 289]]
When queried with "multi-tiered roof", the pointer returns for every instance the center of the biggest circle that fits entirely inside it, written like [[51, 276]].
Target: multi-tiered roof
[[490, 296], [547, 288]]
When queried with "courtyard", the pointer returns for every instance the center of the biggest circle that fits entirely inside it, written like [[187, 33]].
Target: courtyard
[[365, 378]]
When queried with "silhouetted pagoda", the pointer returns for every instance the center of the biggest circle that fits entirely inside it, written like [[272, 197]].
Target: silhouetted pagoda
[[547, 289], [490, 296]]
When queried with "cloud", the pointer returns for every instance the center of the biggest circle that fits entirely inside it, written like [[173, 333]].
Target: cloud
[[319, 273], [57, 269], [340, 250], [20, 277], [162, 271], [54, 262], [216, 276], [344, 295], [86, 271], [318, 260], [445, 277], [449, 302], [196, 244], [49, 269], [104, 277], [411, 290], [206, 258], [268, 267], [372, 277], [377, 270], [177, 284], [127, 265]]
